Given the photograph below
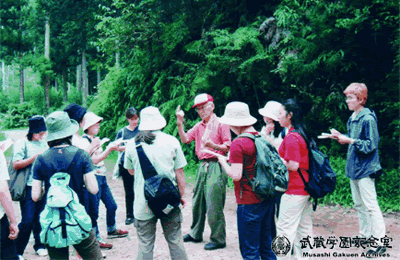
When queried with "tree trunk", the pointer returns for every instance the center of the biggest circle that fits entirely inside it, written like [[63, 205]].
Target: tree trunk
[[65, 89], [85, 85], [79, 78], [98, 78], [3, 67], [47, 56], [56, 85], [117, 59], [21, 83]]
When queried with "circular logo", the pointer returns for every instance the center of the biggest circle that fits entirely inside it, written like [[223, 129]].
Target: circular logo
[[280, 246]]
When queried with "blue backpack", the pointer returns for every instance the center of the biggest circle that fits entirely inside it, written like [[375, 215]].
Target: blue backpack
[[64, 220], [322, 178], [271, 178]]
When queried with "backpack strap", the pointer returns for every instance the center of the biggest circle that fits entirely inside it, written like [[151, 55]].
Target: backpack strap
[[87, 137], [148, 169]]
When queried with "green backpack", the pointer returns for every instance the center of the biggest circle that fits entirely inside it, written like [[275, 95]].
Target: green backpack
[[64, 220], [272, 177]]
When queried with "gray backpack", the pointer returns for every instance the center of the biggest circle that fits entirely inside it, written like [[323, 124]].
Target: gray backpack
[[272, 177]]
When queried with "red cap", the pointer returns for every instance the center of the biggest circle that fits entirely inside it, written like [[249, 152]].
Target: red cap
[[202, 99]]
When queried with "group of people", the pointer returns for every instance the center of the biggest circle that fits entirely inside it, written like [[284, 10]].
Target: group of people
[[52, 143]]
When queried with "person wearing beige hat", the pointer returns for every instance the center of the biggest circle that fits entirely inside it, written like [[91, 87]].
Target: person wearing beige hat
[[255, 215], [165, 154], [58, 158], [91, 127], [210, 188], [272, 131]]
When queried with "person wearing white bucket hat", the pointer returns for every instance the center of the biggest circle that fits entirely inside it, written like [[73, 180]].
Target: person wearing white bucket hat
[[91, 127], [58, 158], [255, 215], [272, 131], [210, 188], [165, 154]]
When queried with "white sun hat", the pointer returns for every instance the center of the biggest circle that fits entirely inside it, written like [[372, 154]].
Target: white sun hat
[[271, 110], [151, 119], [237, 114], [90, 119]]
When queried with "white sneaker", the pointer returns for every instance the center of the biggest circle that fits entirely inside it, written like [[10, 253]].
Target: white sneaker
[[42, 252], [20, 257], [103, 255]]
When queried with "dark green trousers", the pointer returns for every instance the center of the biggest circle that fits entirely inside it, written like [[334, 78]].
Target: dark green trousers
[[209, 200]]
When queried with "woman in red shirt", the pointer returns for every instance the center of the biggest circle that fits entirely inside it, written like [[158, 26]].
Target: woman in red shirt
[[295, 209], [255, 216]]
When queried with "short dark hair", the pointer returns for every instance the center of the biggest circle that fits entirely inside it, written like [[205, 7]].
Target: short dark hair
[[145, 136], [65, 140], [29, 136], [131, 112]]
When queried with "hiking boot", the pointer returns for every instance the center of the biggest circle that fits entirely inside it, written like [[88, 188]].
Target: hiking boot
[[212, 246], [188, 238], [117, 234], [105, 245]]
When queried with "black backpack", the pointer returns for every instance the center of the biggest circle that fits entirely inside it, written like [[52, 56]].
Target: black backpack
[[322, 178], [161, 194], [271, 178]]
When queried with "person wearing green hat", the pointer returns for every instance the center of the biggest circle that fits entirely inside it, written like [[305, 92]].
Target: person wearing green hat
[[58, 158], [25, 152]]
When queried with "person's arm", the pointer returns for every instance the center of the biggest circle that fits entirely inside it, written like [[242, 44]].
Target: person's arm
[[101, 157], [179, 120], [6, 202], [20, 164], [131, 172], [37, 190], [94, 145], [91, 182], [235, 171], [291, 165], [180, 178]]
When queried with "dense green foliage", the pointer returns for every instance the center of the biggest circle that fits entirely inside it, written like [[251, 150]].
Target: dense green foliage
[[250, 51]]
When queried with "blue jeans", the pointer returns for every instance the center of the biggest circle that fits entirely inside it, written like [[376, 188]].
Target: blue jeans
[[30, 212], [256, 228], [107, 198], [7, 246]]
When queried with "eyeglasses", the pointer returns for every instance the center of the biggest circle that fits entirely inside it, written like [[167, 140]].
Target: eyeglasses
[[198, 108]]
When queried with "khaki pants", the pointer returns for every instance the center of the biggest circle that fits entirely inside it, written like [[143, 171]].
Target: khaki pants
[[368, 210], [295, 222], [209, 199], [171, 225]]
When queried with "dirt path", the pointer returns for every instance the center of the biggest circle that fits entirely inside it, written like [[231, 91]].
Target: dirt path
[[327, 221]]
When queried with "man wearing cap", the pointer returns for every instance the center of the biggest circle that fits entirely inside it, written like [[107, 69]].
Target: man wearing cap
[[210, 187], [166, 156]]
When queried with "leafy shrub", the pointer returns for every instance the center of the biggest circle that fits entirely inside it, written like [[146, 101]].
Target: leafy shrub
[[387, 188], [18, 114]]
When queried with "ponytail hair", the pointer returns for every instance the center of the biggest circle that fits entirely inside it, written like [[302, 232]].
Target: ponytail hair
[[299, 111], [145, 136]]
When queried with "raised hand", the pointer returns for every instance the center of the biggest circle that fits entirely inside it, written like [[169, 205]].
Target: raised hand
[[179, 115]]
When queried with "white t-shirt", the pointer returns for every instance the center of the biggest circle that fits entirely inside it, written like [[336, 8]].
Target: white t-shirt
[[3, 176], [165, 154]]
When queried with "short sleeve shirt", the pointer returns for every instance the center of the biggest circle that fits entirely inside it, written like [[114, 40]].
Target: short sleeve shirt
[[222, 136], [126, 134], [3, 176], [32, 149], [58, 159], [165, 154], [243, 150], [294, 148]]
